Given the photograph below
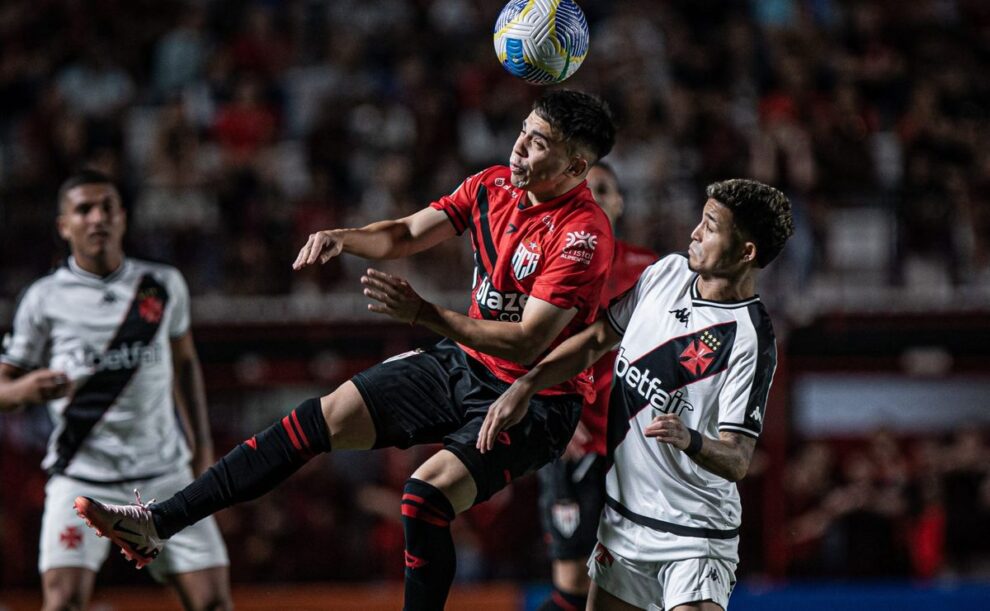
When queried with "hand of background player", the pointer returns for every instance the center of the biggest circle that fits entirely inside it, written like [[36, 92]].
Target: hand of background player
[[668, 428], [43, 385], [395, 296], [507, 411], [321, 246]]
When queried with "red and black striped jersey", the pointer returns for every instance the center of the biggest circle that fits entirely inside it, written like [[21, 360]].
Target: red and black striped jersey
[[559, 251]]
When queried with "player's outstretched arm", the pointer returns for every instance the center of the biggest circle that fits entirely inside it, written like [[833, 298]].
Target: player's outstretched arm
[[728, 456], [572, 356], [381, 240], [19, 388], [521, 342]]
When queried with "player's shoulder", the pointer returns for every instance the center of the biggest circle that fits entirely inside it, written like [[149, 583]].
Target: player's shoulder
[[673, 263], [44, 285], [162, 271], [757, 316], [583, 210]]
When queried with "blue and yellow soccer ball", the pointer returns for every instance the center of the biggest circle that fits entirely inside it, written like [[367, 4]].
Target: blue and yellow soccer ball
[[541, 41]]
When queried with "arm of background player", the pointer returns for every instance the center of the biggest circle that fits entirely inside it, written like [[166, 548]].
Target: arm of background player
[[19, 388], [381, 240], [521, 342], [572, 356], [190, 395], [728, 456]]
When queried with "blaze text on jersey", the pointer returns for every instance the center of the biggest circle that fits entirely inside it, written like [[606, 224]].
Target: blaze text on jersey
[[496, 305]]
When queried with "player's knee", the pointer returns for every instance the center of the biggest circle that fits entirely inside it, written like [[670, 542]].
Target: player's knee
[[425, 502], [347, 419]]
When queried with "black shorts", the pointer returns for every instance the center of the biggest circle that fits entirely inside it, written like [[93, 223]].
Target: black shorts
[[572, 496], [442, 395]]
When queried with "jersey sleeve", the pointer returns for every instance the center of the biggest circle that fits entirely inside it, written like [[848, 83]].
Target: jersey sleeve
[[577, 267], [459, 205], [180, 320], [743, 398], [27, 342], [620, 310]]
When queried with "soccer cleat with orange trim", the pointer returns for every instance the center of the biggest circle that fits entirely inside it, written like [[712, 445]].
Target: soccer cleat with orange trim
[[128, 526]]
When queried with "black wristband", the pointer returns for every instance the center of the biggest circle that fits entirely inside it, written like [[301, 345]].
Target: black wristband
[[695, 446]]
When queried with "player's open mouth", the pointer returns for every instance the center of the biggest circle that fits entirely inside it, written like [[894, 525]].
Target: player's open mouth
[[517, 169]]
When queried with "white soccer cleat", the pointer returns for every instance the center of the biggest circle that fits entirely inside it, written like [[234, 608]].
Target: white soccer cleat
[[129, 526]]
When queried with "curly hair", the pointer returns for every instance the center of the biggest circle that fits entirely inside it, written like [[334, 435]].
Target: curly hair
[[581, 118], [760, 211]]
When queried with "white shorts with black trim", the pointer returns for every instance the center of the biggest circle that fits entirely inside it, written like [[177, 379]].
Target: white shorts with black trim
[[66, 541], [661, 586]]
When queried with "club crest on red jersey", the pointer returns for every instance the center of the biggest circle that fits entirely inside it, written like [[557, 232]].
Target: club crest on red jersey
[[525, 259]]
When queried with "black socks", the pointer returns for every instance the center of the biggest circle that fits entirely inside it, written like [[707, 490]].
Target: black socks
[[249, 470], [430, 558]]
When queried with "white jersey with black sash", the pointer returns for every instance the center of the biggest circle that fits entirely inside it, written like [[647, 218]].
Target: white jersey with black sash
[[111, 336], [711, 363]]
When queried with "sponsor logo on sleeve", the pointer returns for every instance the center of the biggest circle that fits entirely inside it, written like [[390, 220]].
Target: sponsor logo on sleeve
[[580, 246]]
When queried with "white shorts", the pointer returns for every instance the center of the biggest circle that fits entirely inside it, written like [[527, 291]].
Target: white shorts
[[66, 541], [661, 586]]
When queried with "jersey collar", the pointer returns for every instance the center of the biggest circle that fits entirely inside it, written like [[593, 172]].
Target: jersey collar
[[85, 275], [524, 204], [697, 300]]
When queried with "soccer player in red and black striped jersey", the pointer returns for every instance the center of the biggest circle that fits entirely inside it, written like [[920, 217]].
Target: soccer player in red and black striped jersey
[[572, 490], [542, 250]]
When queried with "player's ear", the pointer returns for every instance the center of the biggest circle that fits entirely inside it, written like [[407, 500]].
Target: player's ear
[[62, 227], [748, 252], [579, 166]]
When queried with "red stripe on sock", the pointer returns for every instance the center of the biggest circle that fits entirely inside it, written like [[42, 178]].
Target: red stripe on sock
[[292, 436], [426, 506], [411, 511], [560, 602], [252, 443], [302, 434]]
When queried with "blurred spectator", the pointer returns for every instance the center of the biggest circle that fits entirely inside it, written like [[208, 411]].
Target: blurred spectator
[[180, 55]]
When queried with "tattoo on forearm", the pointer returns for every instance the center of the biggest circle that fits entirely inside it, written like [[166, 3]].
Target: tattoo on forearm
[[727, 456]]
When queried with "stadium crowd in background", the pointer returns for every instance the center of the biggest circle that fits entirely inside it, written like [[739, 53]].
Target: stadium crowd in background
[[237, 127]]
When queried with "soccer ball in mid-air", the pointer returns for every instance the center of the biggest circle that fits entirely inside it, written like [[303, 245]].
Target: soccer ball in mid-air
[[541, 41]]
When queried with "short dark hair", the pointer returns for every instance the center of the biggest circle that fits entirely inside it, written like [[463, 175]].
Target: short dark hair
[[85, 176], [760, 211], [581, 118]]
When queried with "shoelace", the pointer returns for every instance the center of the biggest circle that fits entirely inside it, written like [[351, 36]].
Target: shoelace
[[139, 510]]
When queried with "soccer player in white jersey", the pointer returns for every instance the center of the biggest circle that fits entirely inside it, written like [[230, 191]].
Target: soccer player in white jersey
[[696, 358], [104, 340]]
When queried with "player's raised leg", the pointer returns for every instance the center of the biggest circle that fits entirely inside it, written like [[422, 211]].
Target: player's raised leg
[[254, 467]]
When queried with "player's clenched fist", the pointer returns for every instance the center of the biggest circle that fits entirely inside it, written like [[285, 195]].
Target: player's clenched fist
[[42, 385], [668, 428], [321, 246]]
